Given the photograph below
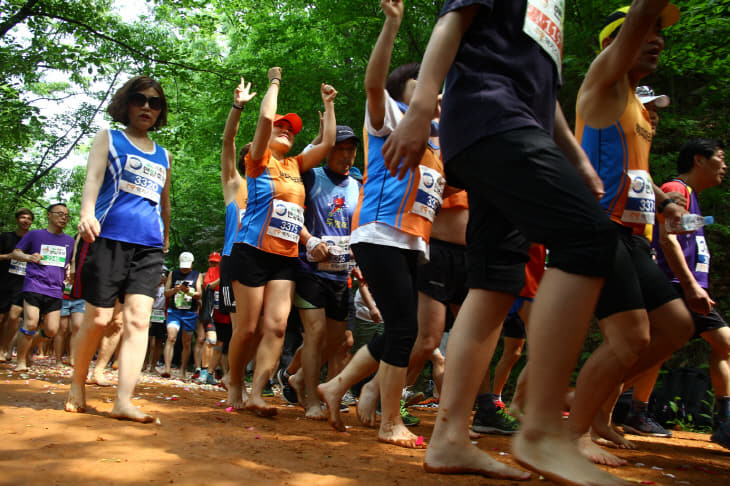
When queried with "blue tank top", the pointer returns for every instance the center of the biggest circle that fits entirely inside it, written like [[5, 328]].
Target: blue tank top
[[330, 204], [234, 214], [128, 205]]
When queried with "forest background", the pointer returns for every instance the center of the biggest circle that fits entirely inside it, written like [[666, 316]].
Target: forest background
[[73, 55]]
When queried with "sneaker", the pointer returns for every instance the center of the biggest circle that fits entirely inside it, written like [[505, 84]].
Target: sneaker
[[349, 399], [496, 422], [408, 419], [196, 375], [210, 380], [500, 404], [643, 424], [268, 391], [287, 391], [430, 402], [202, 377], [344, 408], [411, 397], [722, 435]]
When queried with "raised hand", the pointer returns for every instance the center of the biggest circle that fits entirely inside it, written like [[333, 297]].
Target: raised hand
[[242, 94]]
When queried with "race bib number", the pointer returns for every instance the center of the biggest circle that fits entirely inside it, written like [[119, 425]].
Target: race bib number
[[544, 24], [286, 221], [158, 316], [339, 254], [53, 255], [703, 256], [17, 268], [640, 201], [143, 178], [430, 193]]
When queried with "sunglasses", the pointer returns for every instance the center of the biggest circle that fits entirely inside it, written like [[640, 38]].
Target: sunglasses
[[139, 100]]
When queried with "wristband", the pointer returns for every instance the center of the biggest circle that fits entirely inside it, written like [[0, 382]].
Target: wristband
[[237, 107], [660, 209], [312, 243], [275, 79]]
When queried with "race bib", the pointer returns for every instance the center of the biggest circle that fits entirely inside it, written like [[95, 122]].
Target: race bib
[[339, 254], [429, 195], [216, 306], [286, 221], [640, 201], [53, 255], [544, 24], [143, 178], [703, 256], [16, 267], [184, 301], [67, 287], [157, 316]]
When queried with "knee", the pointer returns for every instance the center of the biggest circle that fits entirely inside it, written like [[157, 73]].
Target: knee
[[274, 327], [629, 347], [349, 341], [426, 344]]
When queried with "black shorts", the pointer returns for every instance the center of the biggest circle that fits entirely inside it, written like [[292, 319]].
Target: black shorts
[[253, 267], [703, 322], [443, 278], [9, 298], [316, 292], [209, 326], [44, 303], [223, 334], [158, 330], [111, 269], [522, 189], [514, 327], [636, 281], [227, 302]]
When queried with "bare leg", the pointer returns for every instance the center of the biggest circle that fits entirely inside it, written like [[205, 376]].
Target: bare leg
[[77, 318], [719, 340], [59, 340], [471, 345], [187, 340], [392, 379], [542, 443], [108, 345], [510, 355], [136, 311], [431, 322], [11, 329], [31, 317], [96, 320], [315, 324], [199, 345], [172, 332]]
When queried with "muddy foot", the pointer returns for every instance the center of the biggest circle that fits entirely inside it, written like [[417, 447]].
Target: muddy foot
[[331, 398], [367, 404]]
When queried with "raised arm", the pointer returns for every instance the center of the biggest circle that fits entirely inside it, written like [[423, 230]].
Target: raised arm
[[405, 146], [89, 226], [318, 152], [266, 115], [230, 178], [165, 207], [379, 63]]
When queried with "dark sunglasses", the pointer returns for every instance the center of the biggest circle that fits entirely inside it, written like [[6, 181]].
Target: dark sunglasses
[[139, 100]]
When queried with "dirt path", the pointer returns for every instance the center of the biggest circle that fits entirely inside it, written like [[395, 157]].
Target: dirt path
[[198, 442]]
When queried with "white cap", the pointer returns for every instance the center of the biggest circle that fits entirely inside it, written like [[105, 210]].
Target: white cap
[[186, 259], [646, 95]]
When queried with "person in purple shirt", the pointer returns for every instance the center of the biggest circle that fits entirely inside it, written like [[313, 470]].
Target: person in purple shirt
[[47, 253]]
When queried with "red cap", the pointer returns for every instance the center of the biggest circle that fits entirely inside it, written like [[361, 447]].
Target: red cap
[[293, 119], [215, 257]]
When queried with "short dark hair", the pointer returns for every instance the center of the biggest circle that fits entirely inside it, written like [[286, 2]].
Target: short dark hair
[[118, 109], [55, 204], [23, 211], [697, 146], [242, 159], [396, 82]]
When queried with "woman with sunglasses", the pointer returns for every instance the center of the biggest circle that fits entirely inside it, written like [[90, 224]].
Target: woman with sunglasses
[[264, 257], [124, 221]]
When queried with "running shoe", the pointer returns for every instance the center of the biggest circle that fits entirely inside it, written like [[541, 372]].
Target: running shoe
[[411, 397], [287, 391], [349, 399], [500, 404], [497, 422], [722, 435], [430, 402], [268, 391], [408, 419], [196, 375], [643, 424], [210, 380], [202, 377], [344, 408]]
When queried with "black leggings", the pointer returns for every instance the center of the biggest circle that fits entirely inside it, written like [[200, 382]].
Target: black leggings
[[391, 276]]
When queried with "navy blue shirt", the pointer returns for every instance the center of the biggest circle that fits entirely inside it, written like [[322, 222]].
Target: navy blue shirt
[[501, 79]]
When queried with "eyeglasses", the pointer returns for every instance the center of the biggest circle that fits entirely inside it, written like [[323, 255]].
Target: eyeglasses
[[139, 100], [60, 214]]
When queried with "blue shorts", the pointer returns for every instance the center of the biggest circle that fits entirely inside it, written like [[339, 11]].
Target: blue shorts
[[182, 319], [72, 306]]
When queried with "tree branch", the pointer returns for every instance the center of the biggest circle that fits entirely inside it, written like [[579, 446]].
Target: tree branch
[[22, 14]]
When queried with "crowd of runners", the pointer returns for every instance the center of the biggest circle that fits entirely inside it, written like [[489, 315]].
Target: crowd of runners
[[479, 211]]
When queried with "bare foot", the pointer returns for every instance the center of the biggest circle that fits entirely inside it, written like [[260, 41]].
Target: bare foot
[[297, 382], [473, 435], [398, 434], [130, 412], [99, 379], [608, 437], [76, 399], [257, 405], [165, 374], [597, 455], [466, 458], [558, 459], [20, 366], [315, 412], [236, 396], [367, 404], [328, 394]]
